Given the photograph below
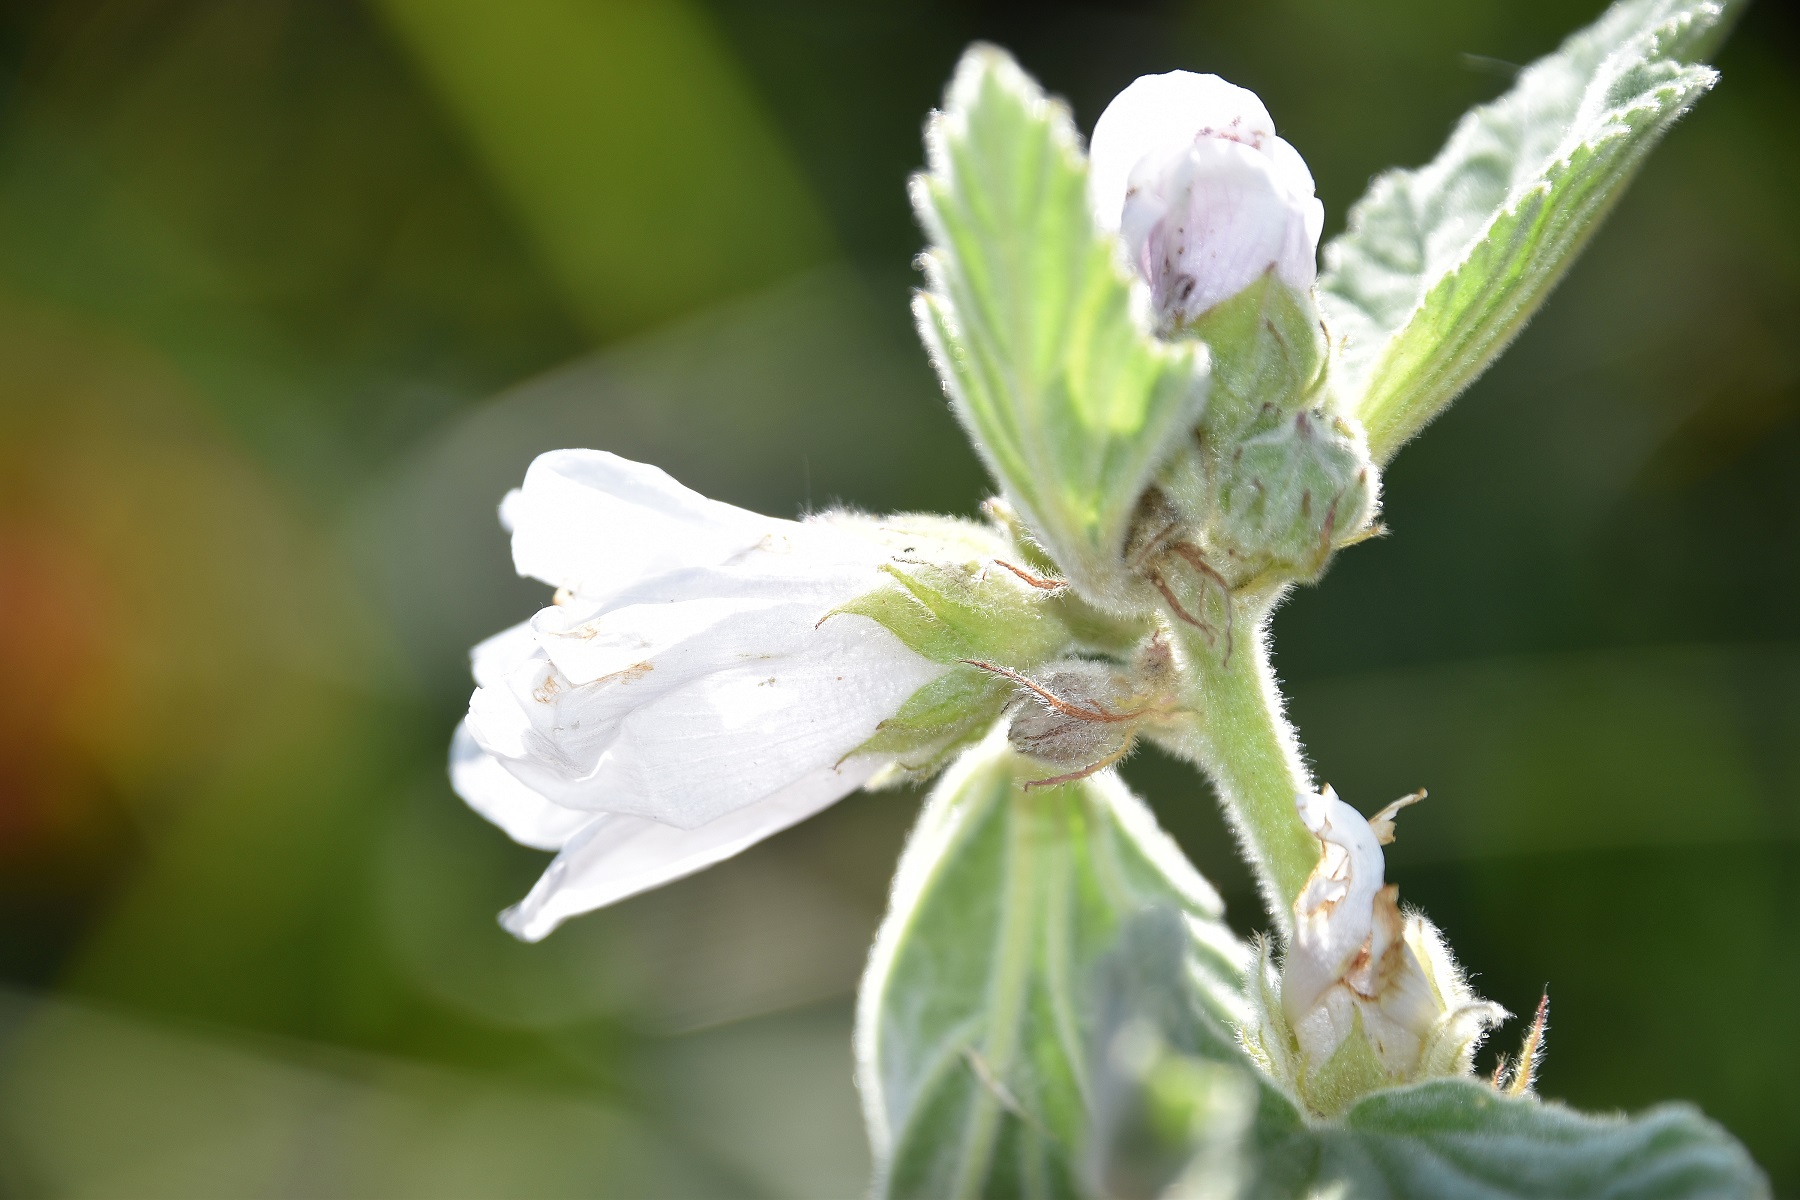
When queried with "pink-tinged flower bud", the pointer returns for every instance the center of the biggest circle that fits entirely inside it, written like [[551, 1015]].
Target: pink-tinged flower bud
[[1188, 170]]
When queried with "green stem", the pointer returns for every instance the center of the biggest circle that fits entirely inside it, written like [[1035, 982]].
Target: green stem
[[1236, 733]]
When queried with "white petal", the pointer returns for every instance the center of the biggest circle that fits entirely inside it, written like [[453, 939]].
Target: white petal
[[492, 791], [638, 638], [1334, 914], [747, 732], [1160, 115], [1292, 174], [1300, 260], [1213, 222], [554, 732], [620, 856], [712, 727], [590, 521], [813, 574], [497, 657]]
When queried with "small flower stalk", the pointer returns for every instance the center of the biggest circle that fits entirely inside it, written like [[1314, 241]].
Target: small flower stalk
[[1367, 996]]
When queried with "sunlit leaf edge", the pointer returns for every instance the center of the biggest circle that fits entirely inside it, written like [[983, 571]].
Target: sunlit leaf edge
[[1397, 377], [1152, 392]]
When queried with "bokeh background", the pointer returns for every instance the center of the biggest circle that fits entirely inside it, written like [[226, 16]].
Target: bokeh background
[[292, 290]]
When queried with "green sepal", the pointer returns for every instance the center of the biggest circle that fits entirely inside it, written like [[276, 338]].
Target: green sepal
[[1441, 266], [1092, 628], [952, 711], [1352, 1072], [1033, 326], [963, 611], [1268, 351], [1095, 630]]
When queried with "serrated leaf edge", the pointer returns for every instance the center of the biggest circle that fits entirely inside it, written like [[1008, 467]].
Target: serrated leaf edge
[[940, 330]]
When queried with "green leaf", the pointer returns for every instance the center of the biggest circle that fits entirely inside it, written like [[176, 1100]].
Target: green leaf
[[983, 993], [1029, 320], [1441, 266], [1175, 1097], [1460, 1138], [1449, 1137]]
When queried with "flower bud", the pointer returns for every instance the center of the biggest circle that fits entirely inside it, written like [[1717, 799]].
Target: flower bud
[[1081, 715], [1368, 996], [1286, 498], [1066, 698], [1188, 170]]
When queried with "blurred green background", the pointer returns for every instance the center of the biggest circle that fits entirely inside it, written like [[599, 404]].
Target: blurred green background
[[291, 291]]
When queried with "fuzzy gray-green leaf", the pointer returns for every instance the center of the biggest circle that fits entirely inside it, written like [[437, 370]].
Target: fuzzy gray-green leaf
[[1029, 320], [1441, 266], [1460, 1138], [979, 1009]]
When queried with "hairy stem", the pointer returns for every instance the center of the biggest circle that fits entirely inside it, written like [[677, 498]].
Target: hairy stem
[[1234, 730]]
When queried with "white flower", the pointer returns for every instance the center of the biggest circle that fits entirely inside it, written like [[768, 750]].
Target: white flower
[[680, 700], [1187, 168], [1356, 959]]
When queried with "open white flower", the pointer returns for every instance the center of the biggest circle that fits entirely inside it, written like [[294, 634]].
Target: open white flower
[[680, 700], [1187, 168]]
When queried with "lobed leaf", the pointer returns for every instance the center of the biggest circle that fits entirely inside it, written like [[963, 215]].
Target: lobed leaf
[[1030, 322], [1441, 266], [983, 994]]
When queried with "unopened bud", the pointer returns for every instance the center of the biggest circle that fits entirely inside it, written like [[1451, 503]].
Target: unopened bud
[[1078, 744], [1081, 715], [1288, 497], [1207, 199]]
